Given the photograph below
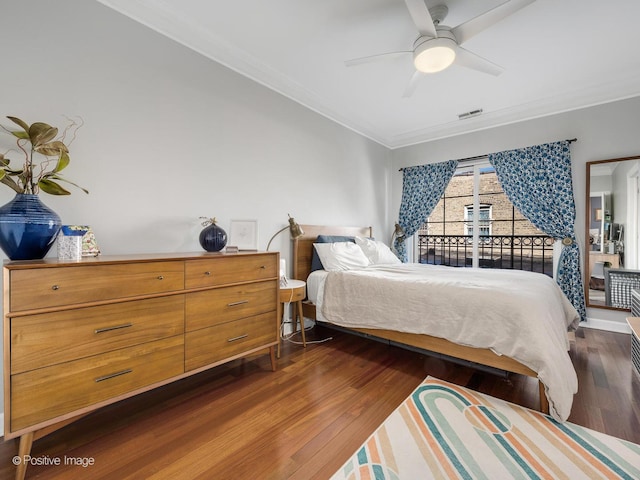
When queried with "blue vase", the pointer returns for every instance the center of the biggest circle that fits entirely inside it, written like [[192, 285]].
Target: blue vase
[[213, 238], [28, 227]]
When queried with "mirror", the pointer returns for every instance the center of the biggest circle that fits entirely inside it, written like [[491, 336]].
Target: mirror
[[612, 253]]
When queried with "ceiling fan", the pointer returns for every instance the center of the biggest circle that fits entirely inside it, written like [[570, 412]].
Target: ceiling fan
[[438, 46]]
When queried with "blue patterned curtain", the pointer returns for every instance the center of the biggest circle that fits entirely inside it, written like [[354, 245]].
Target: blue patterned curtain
[[537, 180], [422, 187]]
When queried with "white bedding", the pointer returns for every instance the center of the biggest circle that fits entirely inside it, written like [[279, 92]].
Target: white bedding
[[315, 286], [520, 314]]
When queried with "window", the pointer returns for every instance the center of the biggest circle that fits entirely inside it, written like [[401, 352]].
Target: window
[[484, 223], [499, 236]]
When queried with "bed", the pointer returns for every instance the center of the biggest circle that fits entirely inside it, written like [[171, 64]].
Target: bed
[[557, 383]]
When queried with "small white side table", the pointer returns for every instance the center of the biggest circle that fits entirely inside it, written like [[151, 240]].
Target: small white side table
[[294, 293]]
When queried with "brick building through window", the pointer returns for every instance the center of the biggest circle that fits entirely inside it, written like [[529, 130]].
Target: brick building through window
[[506, 239]]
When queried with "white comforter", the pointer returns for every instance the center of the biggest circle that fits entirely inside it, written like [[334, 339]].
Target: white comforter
[[520, 314]]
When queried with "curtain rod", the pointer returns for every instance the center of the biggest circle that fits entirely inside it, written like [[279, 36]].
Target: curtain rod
[[486, 155]]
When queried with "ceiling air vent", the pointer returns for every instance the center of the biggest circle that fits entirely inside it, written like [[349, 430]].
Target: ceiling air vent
[[472, 113]]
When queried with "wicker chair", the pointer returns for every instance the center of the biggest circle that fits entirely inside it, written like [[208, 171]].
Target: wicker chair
[[618, 284]]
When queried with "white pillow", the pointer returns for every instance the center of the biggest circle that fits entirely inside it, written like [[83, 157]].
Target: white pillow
[[377, 252], [341, 256]]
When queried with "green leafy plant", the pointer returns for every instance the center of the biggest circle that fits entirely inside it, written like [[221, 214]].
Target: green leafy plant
[[45, 156]]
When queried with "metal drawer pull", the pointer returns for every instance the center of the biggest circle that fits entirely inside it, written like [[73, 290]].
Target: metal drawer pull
[[112, 375], [207, 273], [55, 287], [160, 277], [115, 327], [263, 267], [234, 304], [237, 338]]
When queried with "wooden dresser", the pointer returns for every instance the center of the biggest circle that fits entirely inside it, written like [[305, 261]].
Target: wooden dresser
[[81, 335]]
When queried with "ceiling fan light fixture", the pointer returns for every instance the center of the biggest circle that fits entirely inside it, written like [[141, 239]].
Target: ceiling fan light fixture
[[434, 55]]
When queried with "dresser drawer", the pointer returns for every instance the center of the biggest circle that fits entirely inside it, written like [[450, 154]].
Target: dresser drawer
[[57, 286], [49, 392], [225, 270], [213, 344], [221, 305], [50, 338]]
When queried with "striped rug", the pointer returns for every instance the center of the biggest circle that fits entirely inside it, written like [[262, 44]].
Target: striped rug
[[443, 431]]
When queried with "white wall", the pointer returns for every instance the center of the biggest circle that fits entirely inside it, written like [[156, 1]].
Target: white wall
[[170, 136], [605, 131]]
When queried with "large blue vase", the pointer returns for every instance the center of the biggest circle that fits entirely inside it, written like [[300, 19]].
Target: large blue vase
[[28, 227], [213, 238]]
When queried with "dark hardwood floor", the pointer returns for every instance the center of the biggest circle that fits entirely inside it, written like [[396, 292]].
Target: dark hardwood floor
[[242, 421]]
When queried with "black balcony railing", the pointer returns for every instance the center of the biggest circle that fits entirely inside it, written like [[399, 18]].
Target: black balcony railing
[[517, 252]]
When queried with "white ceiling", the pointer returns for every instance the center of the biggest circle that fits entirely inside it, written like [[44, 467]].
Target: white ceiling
[[558, 55]]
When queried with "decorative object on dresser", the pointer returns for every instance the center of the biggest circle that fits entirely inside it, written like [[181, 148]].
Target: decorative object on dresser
[[89, 243], [28, 228], [212, 237], [70, 242], [118, 326], [244, 234]]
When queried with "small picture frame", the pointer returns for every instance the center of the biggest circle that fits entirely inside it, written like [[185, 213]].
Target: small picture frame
[[244, 234]]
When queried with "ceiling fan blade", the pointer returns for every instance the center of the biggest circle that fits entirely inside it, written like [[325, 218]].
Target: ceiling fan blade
[[375, 58], [421, 17], [465, 58], [466, 30], [413, 84]]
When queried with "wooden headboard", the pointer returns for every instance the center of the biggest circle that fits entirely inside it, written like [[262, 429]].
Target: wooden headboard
[[303, 246]]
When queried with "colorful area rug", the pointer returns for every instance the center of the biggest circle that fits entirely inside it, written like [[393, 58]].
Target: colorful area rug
[[444, 431]]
